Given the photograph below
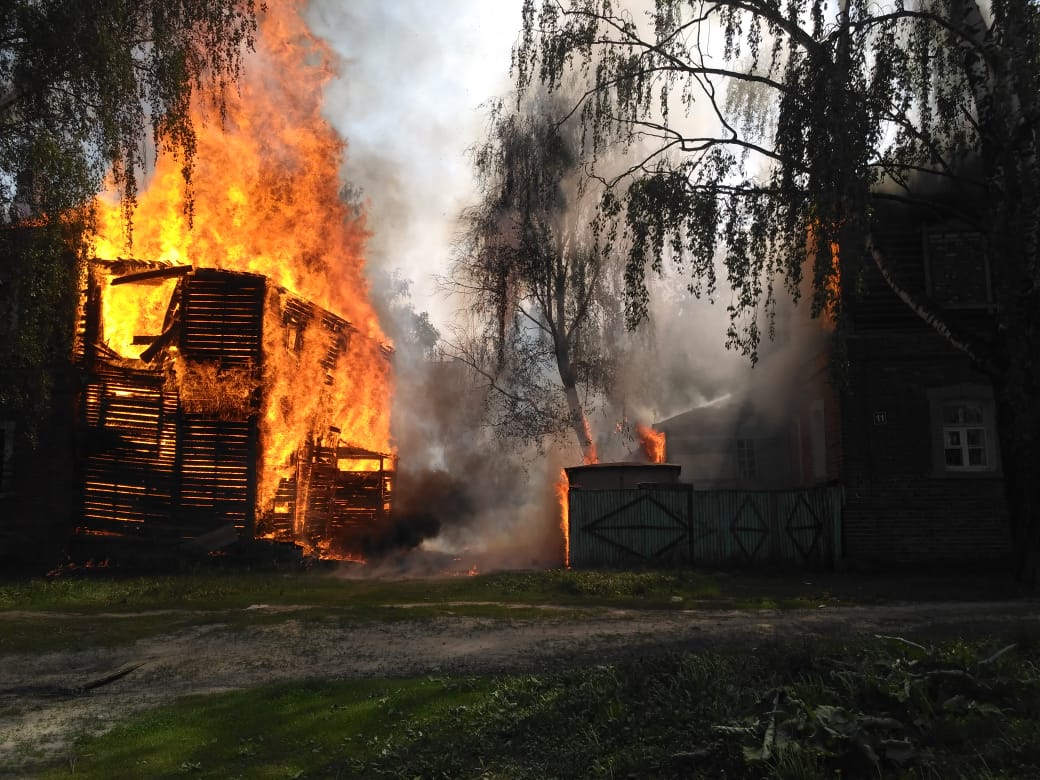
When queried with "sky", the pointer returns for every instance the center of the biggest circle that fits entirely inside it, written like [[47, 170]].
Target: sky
[[408, 101]]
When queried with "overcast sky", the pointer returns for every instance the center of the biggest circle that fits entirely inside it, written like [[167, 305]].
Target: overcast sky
[[408, 102]]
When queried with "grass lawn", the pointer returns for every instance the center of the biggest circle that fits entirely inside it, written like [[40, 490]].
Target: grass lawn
[[864, 707], [48, 614], [879, 708]]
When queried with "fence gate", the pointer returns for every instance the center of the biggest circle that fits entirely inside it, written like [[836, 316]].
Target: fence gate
[[676, 525]]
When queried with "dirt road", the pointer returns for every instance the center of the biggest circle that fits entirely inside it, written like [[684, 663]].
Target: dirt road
[[48, 699]]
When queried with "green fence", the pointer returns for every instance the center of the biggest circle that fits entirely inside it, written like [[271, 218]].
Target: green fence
[[676, 525]]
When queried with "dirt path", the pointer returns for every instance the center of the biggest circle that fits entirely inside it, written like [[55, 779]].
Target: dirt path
[[43, 703]]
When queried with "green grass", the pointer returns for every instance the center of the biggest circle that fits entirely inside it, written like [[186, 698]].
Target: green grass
[[647, 589], [878, 708], [50, 614], [277, 731]]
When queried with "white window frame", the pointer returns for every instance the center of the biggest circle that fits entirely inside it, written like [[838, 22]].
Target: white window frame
[[964, 396], [961, 429]]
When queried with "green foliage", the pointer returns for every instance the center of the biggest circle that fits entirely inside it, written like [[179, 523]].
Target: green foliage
[[902, 706], [38, 295], [874, 709], [85, 85], [762, 130]]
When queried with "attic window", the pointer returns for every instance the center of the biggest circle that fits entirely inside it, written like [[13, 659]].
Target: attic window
[[956, 267]]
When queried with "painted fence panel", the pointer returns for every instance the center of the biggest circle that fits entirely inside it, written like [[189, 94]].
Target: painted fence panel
[[676, 525], [626, 527], [780, 527]]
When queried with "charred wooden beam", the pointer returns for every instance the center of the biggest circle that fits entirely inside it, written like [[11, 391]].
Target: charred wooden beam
[[156, 275]]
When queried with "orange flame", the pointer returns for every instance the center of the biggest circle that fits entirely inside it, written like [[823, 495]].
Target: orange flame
[[652, 443], [832, 284], [562, 496], [267, 201]]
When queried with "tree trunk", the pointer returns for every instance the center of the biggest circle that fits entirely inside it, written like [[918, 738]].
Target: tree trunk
[[580, 426], [576, 412], [1018, 428]]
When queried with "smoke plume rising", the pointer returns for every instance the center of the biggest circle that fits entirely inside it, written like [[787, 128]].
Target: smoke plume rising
[[408, 100]]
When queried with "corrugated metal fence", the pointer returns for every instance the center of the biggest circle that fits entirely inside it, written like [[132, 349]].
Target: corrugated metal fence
[[676, 525]]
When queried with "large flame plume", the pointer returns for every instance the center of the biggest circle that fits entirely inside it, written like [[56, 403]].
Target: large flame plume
[[267, 200]]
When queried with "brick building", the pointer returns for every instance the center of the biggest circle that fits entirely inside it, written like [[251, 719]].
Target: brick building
[[920, 457], [909, 430]]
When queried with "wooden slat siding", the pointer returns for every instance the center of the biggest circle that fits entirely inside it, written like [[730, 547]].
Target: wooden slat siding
[[214, 472], [358, 500], [362, 498], [337, 332], [299, 315], [873, 305], [222, 317], [87, 317], [128, 476], [281, 523], [319, 501]]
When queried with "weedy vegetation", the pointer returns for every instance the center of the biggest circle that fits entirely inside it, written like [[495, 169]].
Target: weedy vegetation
[[883, 707], [907, 707]]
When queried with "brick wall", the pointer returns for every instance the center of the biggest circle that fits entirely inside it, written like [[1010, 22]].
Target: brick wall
[[902, 506]]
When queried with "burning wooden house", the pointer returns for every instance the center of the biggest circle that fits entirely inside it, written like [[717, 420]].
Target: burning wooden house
[[216, 407]]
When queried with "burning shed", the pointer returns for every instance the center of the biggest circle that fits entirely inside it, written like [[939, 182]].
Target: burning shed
[[218, 408]]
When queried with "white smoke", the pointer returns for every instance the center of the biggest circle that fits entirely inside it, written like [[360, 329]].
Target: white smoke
[[409, 98]]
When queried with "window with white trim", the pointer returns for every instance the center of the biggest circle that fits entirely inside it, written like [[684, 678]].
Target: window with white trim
[[965, 439], [964, 431]]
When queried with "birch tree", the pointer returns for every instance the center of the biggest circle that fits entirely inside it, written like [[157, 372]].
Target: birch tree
[[814, 105], [90, 88], [535, 280]]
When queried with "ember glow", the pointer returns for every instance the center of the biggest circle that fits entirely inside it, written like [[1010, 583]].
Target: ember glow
[[267, 202], [832, 283], [652, 443]]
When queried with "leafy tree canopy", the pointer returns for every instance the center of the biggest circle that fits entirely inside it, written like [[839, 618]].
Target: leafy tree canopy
[[86, 84], [763, 128]]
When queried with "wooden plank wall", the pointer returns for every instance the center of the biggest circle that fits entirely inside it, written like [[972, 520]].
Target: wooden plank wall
[[153, 471]]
